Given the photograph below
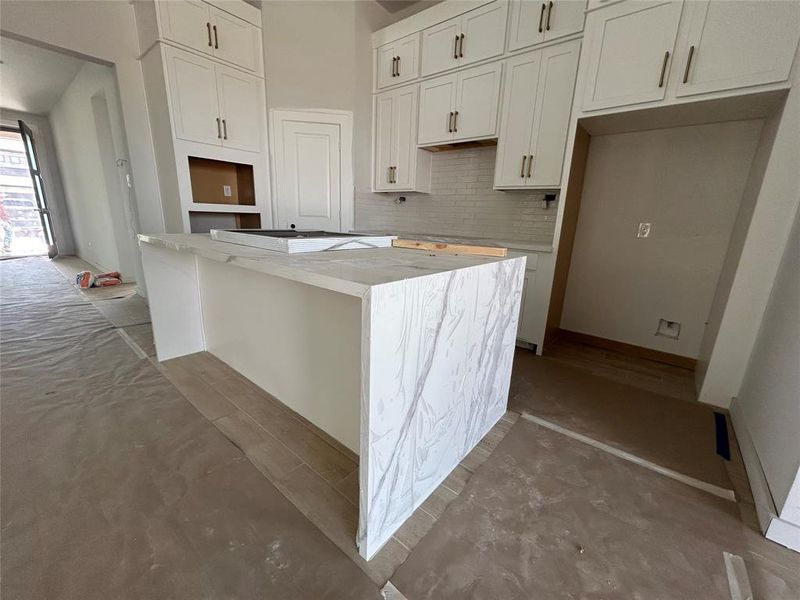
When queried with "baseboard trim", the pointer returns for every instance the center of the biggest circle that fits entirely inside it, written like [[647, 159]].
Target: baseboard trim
[[675, 360]]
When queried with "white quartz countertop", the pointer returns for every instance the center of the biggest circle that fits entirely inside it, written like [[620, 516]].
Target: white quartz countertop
[[522, 245], [351, 272]]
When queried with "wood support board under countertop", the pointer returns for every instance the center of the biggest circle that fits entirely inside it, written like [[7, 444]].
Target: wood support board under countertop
[[445, 248]]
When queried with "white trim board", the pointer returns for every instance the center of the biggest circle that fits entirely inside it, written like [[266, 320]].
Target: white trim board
[[695, 483], [342, 118]]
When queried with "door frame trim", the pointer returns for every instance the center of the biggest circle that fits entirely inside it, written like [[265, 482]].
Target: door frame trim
[[342, 118]]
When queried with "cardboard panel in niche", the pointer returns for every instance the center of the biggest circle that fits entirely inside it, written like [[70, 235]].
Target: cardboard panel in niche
[[212, 178]]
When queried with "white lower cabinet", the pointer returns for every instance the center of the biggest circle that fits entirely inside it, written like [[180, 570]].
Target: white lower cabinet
[[530, 310], [398, 164], [212, 103], [535, 117], [460, 107]]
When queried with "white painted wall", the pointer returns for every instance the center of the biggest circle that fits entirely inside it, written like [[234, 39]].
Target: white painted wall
[[762, 230], [769, 400], [686, 181], [103, 30], [89, 138], [53, 189]]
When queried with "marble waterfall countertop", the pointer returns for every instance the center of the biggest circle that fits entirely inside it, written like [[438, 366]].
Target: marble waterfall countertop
[[522, 245], [351, 272]]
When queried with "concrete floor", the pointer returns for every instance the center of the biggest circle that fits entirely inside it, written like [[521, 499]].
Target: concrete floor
[[114, 486]]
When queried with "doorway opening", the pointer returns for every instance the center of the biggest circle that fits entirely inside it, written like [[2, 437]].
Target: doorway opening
[[25, 227]]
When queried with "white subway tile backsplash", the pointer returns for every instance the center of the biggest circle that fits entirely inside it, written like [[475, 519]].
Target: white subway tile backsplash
[[461, 202]]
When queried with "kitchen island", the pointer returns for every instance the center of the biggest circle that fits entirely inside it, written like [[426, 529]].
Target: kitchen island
[[403, 356]]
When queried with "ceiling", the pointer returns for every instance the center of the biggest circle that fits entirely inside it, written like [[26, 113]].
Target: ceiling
[[33, 79]]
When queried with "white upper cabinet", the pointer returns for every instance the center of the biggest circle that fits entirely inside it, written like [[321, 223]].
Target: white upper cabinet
[[397, 62], [460, 107], [533, 21], [241, 108], [535, 117], [207, 29], [629, 49], [212, 103], [474, 36], [397, 158], [236, 41], [736, 44]]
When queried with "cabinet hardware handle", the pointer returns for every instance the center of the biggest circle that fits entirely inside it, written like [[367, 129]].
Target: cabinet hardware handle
[[398, 66], [461, 46], [450, 123], [530, 162], [394, 63], [663, 69], [522, 169], [208, 26], [455, 121], [224, 129], [219, 129], [688, 64], [541, 16], [549, 12], [216, 39], [394, 174], [391, 174], [455, 48]]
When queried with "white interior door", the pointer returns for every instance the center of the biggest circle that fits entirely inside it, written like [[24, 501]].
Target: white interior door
[[236, 41], [436, 104], [553, 107], [737, 44], [477, 98], [241, 109], [483, 32], [187, 22], [522, 77], [193, 94], [308, 175], [629, 47]]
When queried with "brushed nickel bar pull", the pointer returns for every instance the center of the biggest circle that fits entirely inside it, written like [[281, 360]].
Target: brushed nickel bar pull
[[663, 69], [549, 12], [541, 16], [219, 129], [688, 64], [455, 121], [398, 66], [522, 169], [455, 48], [208, 26], [450, 123], [530, 162], [216, 39], [461, 46], [224, 129]]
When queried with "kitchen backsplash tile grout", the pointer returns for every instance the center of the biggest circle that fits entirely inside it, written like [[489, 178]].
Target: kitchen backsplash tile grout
[[461, 202]]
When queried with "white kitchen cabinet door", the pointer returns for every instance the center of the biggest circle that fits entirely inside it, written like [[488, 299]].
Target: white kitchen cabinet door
[[404, 142], [519, 99], [308, 164], [483, 33], [187, 22], [477, 99], [564, 17], [397, 62], [629, 47], [241, 107], [559, 66], [384, 128], [737, 44], [437, 98], [236, 41], [527, 23], [440, 47], [193, 97]]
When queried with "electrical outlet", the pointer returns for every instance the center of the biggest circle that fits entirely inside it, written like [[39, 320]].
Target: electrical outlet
[[226, 191], [644, 230], [670, 329]]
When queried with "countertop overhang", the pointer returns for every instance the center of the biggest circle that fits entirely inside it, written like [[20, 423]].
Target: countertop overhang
[[351, 272]]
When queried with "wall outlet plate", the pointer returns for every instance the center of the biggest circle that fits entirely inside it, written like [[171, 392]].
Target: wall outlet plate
[[670, 329], [226, 190], [644, 230]]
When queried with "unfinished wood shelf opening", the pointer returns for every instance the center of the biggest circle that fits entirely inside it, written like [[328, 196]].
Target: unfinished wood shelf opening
[[203, 222], [221, 182]]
